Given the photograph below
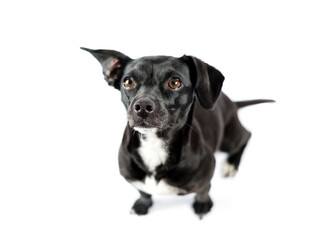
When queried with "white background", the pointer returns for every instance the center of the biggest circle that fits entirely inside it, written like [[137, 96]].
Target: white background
[[61, 125]]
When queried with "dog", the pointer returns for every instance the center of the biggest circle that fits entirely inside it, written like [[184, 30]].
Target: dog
[[177, 119]]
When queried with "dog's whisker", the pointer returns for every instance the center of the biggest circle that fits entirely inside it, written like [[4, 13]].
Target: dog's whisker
[[192, 128]]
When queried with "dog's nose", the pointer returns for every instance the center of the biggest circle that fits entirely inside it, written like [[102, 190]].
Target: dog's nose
[[144, 106]]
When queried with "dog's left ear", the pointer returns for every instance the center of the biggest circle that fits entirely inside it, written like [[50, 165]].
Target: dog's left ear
[[113, 64], [206, 79]]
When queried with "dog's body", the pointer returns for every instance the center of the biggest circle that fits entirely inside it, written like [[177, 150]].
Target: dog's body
[[177, 118]]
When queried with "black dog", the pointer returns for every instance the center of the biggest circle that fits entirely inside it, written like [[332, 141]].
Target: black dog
[[177, 118]]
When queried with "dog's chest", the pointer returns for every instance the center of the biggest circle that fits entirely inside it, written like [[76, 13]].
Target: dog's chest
[[153, 152]]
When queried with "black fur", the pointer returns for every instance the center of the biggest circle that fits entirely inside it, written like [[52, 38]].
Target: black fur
[[194, 121]]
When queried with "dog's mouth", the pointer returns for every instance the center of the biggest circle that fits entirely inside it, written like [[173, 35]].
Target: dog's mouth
[[145, 123], [145, 130]]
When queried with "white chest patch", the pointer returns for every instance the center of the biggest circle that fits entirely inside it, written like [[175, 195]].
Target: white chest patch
[[152, 150], [153, 153]]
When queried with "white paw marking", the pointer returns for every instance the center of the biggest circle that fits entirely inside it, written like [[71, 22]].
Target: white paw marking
[[228, 170]]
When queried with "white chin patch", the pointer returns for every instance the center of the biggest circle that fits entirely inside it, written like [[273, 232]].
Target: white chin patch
[[145, 130]]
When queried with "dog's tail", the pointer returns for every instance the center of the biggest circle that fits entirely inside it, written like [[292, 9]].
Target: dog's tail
[[241, 104]]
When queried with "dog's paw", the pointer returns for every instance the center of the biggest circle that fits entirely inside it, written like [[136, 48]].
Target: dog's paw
[[141, 206], [202, 208], [228, 170]]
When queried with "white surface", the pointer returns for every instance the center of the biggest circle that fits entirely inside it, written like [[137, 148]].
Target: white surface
[[61, 125]]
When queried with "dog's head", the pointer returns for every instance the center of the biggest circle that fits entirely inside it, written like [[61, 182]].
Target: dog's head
[[158, 91]]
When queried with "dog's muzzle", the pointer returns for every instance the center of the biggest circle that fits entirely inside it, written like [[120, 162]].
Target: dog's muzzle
[[146, 112]]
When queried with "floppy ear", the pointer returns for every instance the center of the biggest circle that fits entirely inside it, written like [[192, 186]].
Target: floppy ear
[[206, 79], [113, 64]]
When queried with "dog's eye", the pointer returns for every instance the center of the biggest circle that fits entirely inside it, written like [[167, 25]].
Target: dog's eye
[[128, 82], [174, 83]]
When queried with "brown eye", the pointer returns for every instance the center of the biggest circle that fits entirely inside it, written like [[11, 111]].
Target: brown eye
[[174, 83], [128, 82]]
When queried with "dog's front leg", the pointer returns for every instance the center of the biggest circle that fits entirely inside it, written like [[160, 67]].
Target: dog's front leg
[[142, 205], [203, 203]]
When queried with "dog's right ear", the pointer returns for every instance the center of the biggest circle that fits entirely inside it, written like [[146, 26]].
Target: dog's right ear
[[113, 64]]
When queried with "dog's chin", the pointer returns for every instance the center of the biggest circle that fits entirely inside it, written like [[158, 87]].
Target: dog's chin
[[146, 126], [143, 130]]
